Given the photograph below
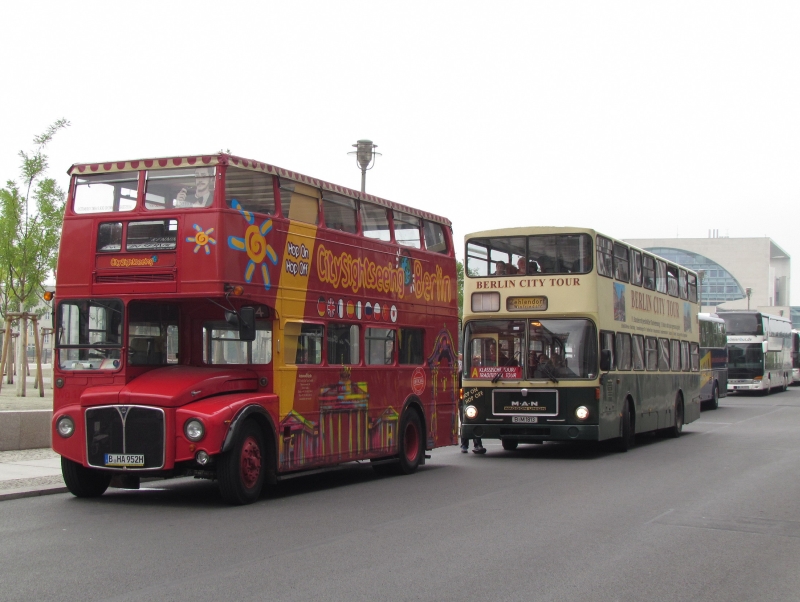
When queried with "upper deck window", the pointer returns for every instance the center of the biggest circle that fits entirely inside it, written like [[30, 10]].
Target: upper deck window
[[103, 193], [605, 253], [691, 280], [300, 202], [621, 265], [672, 280], [540, 254], [253, 190], [648, 272], [661, 276], [636, 267], [435, 239], [340, 212], [683, 288], [180, 188], [374, 222], [406, 230]]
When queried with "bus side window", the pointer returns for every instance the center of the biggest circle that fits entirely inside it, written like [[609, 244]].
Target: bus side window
[[648, 272], [663, 354], [379, 346], [636, 267], [623, 351], [410, 347], [621, 254], [675, 355], [435, 239], [684, 356], [300, 202], [253, 190], [651, 353], [637, 345], [607, 342], [374, 222], [605, 252], [343, 343]]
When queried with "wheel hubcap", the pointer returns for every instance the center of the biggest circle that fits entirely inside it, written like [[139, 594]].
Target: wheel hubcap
[[250, 462], [411, 442]]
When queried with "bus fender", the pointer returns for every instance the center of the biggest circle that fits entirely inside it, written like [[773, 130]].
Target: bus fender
[[265, 422]]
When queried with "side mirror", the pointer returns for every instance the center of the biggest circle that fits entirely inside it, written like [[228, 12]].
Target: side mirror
[[245, 321], [247, 324], [605, 360]]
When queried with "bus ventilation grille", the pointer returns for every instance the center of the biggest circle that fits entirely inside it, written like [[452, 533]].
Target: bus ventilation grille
[[534, 431], [170, 277], [125, 430]]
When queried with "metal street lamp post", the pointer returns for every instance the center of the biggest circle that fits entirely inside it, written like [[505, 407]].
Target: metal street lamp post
[[365, 157], [748, 292]]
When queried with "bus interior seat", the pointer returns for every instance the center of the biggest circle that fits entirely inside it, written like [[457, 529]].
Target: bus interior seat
[[145, 351]]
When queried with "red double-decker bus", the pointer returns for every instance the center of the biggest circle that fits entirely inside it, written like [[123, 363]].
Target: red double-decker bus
[[226, 319]]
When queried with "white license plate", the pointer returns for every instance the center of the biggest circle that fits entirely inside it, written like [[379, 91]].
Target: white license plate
[[525, 419], [124, 459]]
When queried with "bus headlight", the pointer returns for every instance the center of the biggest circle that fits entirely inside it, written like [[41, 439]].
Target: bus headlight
[[65, 427], [194, 429], [471, 411], [582, 413]]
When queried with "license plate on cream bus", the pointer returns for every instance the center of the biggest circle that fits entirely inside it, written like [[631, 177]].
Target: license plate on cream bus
[[525, 419], [124, 459]]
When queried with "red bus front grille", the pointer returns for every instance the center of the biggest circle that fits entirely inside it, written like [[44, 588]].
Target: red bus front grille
[[113, 279]]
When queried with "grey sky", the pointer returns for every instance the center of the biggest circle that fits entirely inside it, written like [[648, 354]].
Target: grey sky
[[640, 119]]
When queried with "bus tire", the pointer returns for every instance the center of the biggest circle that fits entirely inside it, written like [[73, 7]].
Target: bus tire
[[510, 444], [675, 430], [82, 481], [242, 468], [627, 436], [714, 402], [767, 388], [411, 447]]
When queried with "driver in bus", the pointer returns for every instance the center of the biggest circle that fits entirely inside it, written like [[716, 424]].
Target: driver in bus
[[203, 191]]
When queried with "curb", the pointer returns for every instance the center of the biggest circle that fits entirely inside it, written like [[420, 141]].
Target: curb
[[16, 494]]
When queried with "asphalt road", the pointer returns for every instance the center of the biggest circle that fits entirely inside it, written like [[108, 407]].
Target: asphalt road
[[713, 515]]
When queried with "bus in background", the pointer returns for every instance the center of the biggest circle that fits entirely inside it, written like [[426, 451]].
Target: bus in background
[[795, 357], [226, 319], [713, 360], [759, 351], [571, 335]]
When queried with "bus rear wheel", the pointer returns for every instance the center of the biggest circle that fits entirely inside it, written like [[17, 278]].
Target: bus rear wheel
[[242, 469], [412, 443], [714, 402], [82, 481], [510, 444], [675, 430]]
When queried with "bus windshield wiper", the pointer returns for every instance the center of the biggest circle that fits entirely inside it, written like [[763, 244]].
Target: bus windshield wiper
[[497, 377], [550, 373]]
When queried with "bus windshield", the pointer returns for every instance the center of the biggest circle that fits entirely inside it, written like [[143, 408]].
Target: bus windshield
[[742, 324], [526, 255], [89, 334], [532, 349], [745, 357]]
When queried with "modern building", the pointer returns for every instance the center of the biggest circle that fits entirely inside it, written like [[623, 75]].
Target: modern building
[[735, 273]]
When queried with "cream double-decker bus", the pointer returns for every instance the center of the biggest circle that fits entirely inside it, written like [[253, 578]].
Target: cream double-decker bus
[[570, 335]]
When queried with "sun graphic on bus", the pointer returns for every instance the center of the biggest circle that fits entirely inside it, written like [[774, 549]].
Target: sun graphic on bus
[[255, 245], [202, 239]]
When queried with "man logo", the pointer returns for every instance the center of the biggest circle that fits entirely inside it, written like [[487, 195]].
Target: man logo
[[525, 404]]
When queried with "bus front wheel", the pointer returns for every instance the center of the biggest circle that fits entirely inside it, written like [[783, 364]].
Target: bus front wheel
[[627, 435], [510, 444], [242, 469], [82, 481]]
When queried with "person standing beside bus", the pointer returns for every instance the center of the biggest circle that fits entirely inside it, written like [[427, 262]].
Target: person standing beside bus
[[477, 444]]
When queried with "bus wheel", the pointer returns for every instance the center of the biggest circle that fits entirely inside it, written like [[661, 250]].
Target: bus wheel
[[785, 383], [84, 482], [675, 430], [627, 436], [767, 388], [411, 448], [714, 398], [242, 469], [510, 444]]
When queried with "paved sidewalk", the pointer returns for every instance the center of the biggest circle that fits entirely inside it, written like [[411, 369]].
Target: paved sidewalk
[[30, 472]]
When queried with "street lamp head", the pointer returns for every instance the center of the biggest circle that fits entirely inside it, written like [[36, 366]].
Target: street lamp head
[[365, 153]]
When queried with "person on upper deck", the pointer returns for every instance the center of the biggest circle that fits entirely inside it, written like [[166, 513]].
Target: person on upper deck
[[203, 191], [500, 269]]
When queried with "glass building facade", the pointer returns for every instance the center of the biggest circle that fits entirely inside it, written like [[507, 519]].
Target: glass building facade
[[717, 285]]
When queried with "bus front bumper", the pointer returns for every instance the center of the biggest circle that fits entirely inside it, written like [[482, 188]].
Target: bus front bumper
[[532, 433], [745, 385]]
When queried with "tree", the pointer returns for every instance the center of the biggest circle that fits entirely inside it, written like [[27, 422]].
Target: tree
[[29, 237]]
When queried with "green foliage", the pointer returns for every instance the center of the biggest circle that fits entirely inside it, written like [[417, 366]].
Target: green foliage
[[29, 236]]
